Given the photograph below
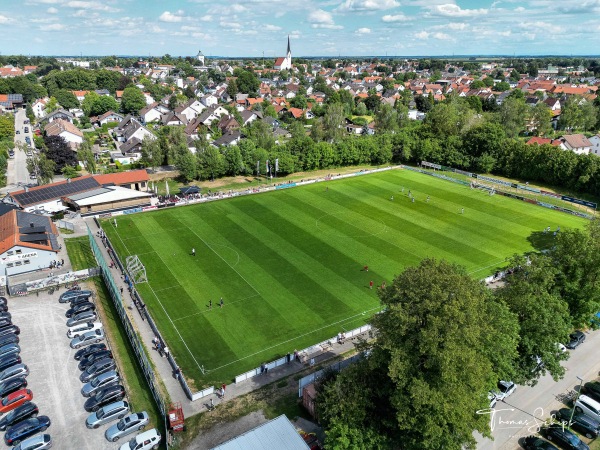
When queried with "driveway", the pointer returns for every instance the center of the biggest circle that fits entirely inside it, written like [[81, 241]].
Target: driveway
[[523, 411], [17, 172], [54, 376]]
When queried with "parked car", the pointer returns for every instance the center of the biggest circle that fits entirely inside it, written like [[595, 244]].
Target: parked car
[[9, 339], [127, 425], [564, 438], [38, 442], [505, 388], [535, 443], [85, 352], [12, 329], [101, 366], [143, 441], [28, 427], [18, 371], [80, 299], [5, 314], [85, 316], [92, 358], [91, 337], [26, 129], [101, 381], [9, 349], [588, 406], [66, 297], [103, 397], [22, 412], [17, 398], [591, 389], [82, 328], [106, 414], [12, 385], [3, 301], [80, 307], [3, 308], [9, 360], [581, 423], [576, 339], [5, 322]]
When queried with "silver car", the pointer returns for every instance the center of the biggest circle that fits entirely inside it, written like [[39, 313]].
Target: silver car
[[108, 413], [37, 442], [127, 425], [91, 337], [82, 317], [102, 380], [16, 371], [83, 328]]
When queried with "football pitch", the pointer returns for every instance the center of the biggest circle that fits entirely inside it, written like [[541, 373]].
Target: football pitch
[[289, 264]]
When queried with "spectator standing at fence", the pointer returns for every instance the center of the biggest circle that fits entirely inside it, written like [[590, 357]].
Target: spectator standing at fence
[[262, 368], [223, 386], [166, 352], [296, 356], [193, 252]]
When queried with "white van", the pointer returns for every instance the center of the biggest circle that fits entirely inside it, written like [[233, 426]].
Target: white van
[[588, 406], [143, 441]]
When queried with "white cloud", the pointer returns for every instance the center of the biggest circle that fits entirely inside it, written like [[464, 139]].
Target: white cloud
[[367, 5], [52, 10], [457, 26], [4, 19], [206, 18], [363, 31], [269, 27], [53, 27], [452, 10], [237, 8], [395, 18], [441, 36], [519, 9], [170, 17], [232, 25], [322, 19], [97, 6], [422, 35]]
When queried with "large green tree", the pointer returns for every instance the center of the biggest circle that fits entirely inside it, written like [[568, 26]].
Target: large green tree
[[132, 100], [543, 317], [437, 353]]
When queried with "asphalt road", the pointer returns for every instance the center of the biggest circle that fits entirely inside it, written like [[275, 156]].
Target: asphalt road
[[522, 413], [17, 173]]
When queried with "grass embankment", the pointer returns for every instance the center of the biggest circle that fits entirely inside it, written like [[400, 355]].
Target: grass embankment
[[138, 393]]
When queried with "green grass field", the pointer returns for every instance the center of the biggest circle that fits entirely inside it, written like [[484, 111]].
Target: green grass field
[[289, 264]]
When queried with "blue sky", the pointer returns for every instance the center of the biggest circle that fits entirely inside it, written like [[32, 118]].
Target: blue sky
[[328, 28]]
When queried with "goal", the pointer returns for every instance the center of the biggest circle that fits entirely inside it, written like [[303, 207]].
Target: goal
[[136, 270]]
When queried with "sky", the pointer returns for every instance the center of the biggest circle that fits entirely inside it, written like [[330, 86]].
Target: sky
[[251, 28]]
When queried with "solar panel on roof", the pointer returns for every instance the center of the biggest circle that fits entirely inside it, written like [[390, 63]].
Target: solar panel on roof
[[55, 191], [33, 237], [32, 230]]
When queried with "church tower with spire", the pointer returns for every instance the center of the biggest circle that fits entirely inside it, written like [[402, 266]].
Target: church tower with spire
[[284, 63]]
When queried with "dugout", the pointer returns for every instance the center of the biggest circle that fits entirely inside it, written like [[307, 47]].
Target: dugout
[[107, 198]]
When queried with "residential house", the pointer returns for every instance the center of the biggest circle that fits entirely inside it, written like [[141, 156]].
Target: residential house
[[190, 109], [10, 102], [577, 143], [107, 117], [130, 128], [80, 95], [39, 107], [542, 141], [249, 116], [59, 114], [595, 141], [232, 137], [209, 100], [28, 242], [151, 113], [173, 119], [66, 130]]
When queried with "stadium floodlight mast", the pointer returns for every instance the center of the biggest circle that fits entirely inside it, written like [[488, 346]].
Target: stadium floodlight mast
[[136, 270]]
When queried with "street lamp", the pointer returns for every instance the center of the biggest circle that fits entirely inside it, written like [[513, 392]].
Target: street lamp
[[578, 394]]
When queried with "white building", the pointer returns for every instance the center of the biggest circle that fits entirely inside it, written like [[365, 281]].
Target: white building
[[286, 62], [595, 141], [200, 58], [64, 129]]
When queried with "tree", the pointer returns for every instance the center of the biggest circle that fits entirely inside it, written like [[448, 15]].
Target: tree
[[59, 151], [88, 101], [576, 255], [7, 127], [86, 156], [132, 100], [42, 167], [436, 356], [66, 99], [70, 172], [333, 122], [542, 314], [52, 105], [152, 154], [512, 115], [247, 82], [232, 88], [386, 119], [187, 165], [541, 119], [502, 86], [211, 163]]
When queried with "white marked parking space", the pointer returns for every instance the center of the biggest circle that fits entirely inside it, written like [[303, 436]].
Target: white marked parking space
[[53, 372]]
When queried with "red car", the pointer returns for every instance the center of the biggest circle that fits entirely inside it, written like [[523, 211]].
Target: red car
[[11, 401]]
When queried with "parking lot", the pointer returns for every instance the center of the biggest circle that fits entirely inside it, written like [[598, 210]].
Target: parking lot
[[54, 375]]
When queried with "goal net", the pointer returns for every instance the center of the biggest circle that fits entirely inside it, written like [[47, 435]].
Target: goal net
[[136, 269]]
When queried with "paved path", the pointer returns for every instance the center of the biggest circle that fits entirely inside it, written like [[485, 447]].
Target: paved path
[[164, 368]]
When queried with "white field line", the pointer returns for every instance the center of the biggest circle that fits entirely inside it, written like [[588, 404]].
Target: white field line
[[294, 338], [153, 234], [487, 267], [163, 307]]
